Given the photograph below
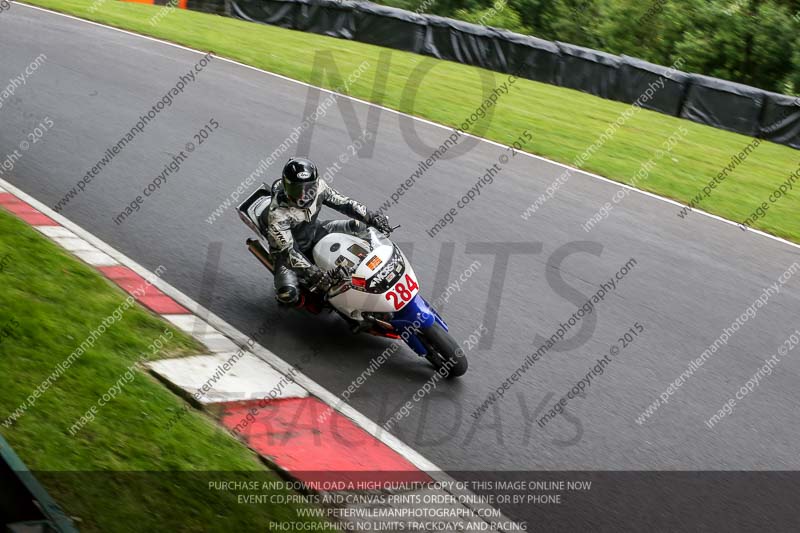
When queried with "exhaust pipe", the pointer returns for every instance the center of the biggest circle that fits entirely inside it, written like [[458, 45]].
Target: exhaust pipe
[[261, 254]]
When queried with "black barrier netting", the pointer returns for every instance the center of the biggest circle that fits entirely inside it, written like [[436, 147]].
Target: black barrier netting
[[217, 7], [334, 19], [266, 11], [714, 102], [529, 57], [780, 120], [636, 77], [390, 27], [588, 70], [465, 43], [724, 104]]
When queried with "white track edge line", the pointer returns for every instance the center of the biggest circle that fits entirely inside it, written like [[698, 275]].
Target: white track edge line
[[423, 120], [195, 308], [239, 338]]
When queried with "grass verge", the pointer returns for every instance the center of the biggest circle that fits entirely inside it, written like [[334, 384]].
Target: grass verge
[[128, 469], [564, 122]]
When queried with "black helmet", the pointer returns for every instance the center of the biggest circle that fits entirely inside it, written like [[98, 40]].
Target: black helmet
[[300, 180]]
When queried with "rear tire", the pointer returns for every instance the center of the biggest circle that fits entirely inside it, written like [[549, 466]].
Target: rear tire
[[444, 353]]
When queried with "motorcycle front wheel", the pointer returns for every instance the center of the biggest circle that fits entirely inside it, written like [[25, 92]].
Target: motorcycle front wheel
[[444, 353]]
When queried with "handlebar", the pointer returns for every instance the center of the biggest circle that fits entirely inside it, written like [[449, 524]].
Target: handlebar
[[333, 277], [339, 274]]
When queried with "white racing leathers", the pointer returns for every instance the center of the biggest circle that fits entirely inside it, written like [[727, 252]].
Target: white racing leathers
[[292, 232]]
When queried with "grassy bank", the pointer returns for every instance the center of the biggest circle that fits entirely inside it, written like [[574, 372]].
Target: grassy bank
[[118, 471], [563, 122]]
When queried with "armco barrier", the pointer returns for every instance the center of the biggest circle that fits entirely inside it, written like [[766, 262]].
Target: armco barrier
[[711, 101]]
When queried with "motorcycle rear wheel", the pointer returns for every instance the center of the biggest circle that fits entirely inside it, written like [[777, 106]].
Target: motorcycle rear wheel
[[444, 353]]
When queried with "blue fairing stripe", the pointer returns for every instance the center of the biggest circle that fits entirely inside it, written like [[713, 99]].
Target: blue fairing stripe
[[416, 311]]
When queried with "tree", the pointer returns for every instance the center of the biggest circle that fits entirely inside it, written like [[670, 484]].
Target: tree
[[774, 37], [532, 14], [633, 28], [749, 45], [576, 21], [499, 15], [749, 41]]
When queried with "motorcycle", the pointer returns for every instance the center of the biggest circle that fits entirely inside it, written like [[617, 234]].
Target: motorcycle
[[374, 288]]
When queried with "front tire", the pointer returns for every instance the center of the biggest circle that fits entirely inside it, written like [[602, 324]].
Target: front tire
[[444, 353]]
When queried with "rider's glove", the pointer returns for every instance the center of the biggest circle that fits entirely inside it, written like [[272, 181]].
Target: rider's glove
[[318, 279], [379, 222]]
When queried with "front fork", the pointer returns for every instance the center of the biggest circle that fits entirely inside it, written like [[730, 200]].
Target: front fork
[[415, 317]]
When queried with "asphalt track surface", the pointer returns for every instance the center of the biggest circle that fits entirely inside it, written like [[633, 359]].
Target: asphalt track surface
[[693, 277]]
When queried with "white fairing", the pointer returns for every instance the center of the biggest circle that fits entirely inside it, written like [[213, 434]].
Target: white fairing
[[367, 260]]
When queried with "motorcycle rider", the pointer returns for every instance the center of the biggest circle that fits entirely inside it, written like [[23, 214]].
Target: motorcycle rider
[[293, 228]]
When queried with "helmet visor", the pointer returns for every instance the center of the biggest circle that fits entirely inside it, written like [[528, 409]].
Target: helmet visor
[[302, 194]]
